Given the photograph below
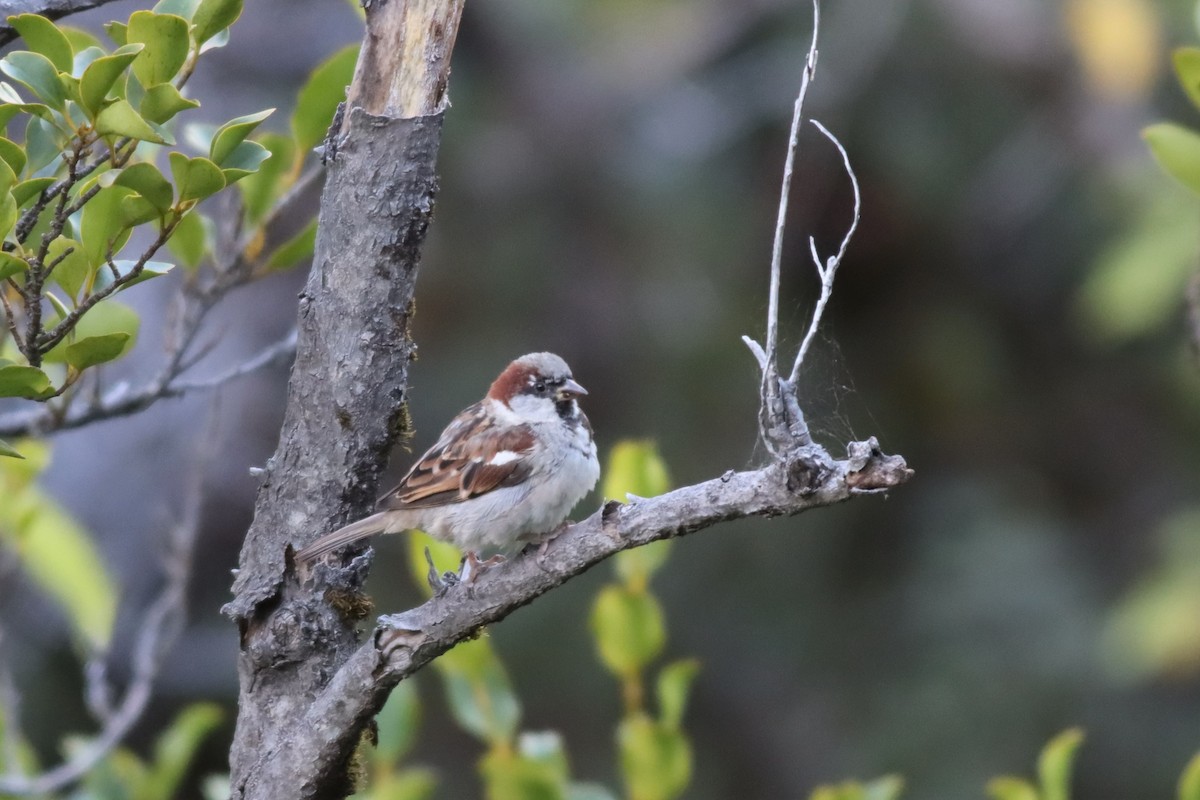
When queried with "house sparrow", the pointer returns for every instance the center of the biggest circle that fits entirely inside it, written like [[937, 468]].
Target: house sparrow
[[506, 469]]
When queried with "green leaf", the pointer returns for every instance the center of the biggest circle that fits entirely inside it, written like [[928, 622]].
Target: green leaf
[[8, 451], [18, 380], [445, 555], [104, 224], [101, 75], [119, 119], [8, 178], [478, 691], [674, 682], [43, 144], [656, 763], [232, 133], [167, 43], [189, 240], [635, 467], [175, 749], [411, 784], [8, 214], [261, 190], [11, 265], [25, 191], [95, 350], [104, 318], [37, 73], [147, 181], [512, 776], [885, 788], [152, 269], [213, 16], [1055, 763], [1189, 782], [296, 249], [629, 629], [11, 103], [398, 722], [43, 36], [163, 102], [118, 32], [60, 558], [180, 8], [1187, 67], [589, 791], [319, 98], [244, 160], [1177, 151], [73, 270], [1009, 788], [79, 39], [12, 154], [195, 178]]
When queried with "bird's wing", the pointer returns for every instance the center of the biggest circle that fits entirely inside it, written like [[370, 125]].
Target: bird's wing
[[473, 456]]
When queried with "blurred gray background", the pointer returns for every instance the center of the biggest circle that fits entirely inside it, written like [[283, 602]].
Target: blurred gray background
[[1010, 318]]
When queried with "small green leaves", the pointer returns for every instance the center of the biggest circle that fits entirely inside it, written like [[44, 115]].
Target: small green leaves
[[167, 43], [1189, 781], [1187, 68], [175, 749], [478, 691], [71, 269], [1056, 762], [397, 723], [629, 629], [119, 119], [195, 178], [262, 189], [163, 102], [147, 181], [189, 240], [888, 787], [1054, 772], [11, 265], [25, 191], [230, 150], [60, 557], [102, 75], [12, 154], [110, 321], [43, 36], [104, 225], [1009, 788], [635, 468], [674, 683], [656, 761], [18, 380], [213, 16], [93, 350], [8, 451], [38, 74], [315, 104], [233, 133], [1177, 151]]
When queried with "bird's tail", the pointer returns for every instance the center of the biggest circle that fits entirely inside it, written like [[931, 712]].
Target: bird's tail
[[369, 526]]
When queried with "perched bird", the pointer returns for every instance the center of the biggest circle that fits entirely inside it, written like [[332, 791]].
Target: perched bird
[[505, 470]]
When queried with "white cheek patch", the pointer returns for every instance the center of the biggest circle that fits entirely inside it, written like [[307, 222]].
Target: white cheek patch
[[503, 457]]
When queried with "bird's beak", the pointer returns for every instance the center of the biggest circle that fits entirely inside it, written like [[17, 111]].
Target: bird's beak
[[571, 389]]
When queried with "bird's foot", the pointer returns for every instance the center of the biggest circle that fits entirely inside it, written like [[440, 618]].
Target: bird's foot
[[472, 568], [543, 545]]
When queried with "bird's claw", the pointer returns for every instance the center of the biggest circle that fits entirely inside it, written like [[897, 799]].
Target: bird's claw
[[471, 568]]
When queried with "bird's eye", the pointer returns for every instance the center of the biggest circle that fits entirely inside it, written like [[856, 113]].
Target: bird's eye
[[540, 387]]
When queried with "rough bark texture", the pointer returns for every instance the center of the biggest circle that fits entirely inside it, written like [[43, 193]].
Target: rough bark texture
[[403, 643], [345, 410]]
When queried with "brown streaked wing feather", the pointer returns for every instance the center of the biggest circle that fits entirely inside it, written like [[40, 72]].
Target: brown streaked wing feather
[[448, 473]]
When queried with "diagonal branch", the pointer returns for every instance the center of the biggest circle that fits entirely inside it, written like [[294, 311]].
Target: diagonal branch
[[406, 642], [54, 9]]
